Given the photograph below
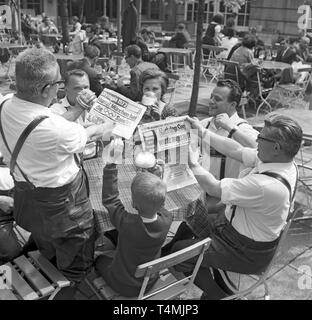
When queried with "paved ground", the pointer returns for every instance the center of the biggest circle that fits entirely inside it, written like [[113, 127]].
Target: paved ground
[[291, 276]]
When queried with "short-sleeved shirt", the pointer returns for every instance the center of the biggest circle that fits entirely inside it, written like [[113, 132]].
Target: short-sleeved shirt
[[213, 163], [61, 107], [47, 156], [262, 201]]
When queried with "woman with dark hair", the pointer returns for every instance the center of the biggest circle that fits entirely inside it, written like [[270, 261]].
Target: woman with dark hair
[[213, 33], [228, 41], [153, 85], [244, 53]]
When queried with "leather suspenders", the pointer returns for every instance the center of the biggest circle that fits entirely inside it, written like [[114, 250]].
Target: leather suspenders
[[222, 157], [283, 181], [19, 144]]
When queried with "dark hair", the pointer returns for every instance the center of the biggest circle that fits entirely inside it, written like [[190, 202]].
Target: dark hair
[[181, 26], [286, 131], [93, 28], [74, 73], [143, 31], [235, 93], [92, 52], [134, 50], [229, 32], [155, 74], [218, 18], [292, 40], [75, 18], [249, 41]]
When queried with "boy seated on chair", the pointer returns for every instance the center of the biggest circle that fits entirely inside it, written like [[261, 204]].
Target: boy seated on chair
[[140, 236]]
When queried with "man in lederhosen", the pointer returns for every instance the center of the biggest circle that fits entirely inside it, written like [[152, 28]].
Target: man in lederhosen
[[51, 197]]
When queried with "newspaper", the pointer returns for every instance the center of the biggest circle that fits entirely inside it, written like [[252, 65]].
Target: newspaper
[[162, 135], [114, 107], [178, 176], [169, 140]]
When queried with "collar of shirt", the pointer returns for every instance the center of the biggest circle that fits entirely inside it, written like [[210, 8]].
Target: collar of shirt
[[149, 220], [273, 166], [234, 119], [34, 107]]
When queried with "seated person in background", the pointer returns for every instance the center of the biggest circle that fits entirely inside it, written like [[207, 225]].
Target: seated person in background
[[10, 247], [105, 27], [154, 57], [93, 38], [181, 37], [148, 36], [76, 26], [288, 52], [303, 50], [140, 236], [47, 27], [91, 55], [228, 41], [133, 56], [245, 58], [154, 83]]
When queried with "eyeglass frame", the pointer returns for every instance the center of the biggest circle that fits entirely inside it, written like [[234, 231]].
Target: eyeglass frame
[[266, 139], [58, 82]]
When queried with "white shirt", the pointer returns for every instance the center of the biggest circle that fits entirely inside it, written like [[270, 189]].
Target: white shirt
[[61, 107], [228, 44], [6, 181], [47, 157], [262, 201], [213, 164]]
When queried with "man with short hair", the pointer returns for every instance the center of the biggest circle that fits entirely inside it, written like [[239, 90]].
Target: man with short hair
[[51, 197], [75, 81], [225, 122], [133, 56], [245, 236], [87, 64]]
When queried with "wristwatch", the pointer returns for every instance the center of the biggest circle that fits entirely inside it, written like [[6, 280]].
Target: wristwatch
[[232, 131]]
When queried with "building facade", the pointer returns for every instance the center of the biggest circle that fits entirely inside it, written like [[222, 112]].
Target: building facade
[[266, 16]]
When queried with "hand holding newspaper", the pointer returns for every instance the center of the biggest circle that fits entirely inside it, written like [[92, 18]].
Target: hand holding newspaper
[[114, 107], [169, 140]]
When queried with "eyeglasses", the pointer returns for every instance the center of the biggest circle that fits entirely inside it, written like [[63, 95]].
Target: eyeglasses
[[59, 83], [266, 139]]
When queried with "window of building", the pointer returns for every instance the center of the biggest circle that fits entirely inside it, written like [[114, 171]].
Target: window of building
[[214, 7], [155, 9], [35, 5]]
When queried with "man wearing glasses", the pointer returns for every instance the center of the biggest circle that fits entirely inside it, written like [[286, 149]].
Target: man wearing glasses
[[245, 235], [51, 197], [225, 122]]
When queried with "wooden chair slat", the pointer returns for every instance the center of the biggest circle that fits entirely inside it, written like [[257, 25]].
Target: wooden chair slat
[[6, 294], [54, 275], [34, 276], [20, 285]]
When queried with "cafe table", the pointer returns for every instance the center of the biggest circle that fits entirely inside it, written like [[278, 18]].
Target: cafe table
[[126, 172], [273, 65], [177, 57]]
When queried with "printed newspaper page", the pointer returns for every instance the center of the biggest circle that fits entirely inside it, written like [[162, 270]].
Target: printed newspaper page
[[169, 140], [114, 107]]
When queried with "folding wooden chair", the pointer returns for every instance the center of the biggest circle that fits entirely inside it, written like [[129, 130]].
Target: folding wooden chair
[[167, 286], [30, 277], [258, 280]]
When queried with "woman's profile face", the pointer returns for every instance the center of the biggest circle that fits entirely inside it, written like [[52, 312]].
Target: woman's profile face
[[153, 85]]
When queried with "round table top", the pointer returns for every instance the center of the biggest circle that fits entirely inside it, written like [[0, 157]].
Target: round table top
[[63, 56], [274, 65], [175, 50]]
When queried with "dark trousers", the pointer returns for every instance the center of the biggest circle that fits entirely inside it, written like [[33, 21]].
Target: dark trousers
[[229, 251], [61, 222]]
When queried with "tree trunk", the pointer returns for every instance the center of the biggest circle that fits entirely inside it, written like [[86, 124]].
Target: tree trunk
[[64, 19], [198, 57]]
